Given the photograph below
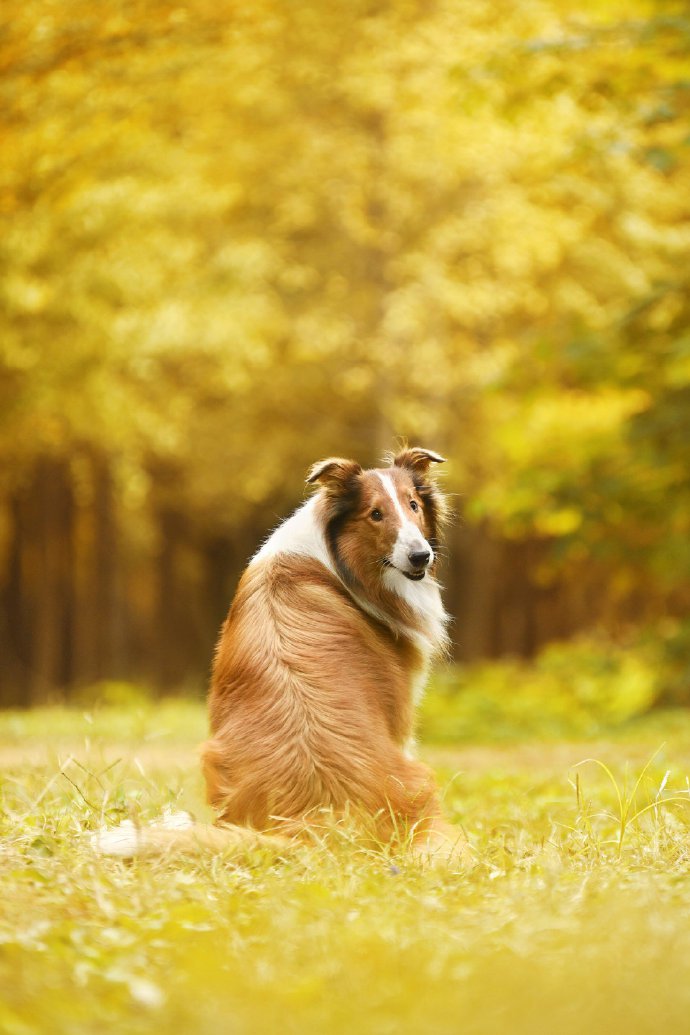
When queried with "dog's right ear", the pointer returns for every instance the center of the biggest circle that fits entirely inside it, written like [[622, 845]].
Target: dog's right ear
[[335, 474], [417, 460]]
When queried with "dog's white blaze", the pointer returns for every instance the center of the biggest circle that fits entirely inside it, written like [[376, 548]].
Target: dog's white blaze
[[388, 485], [301, 534], [409, 537]]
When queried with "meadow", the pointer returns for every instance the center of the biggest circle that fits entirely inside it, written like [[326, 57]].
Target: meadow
[[574, 917]]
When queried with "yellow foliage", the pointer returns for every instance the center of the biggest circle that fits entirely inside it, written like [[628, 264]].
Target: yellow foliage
[[315, 226]]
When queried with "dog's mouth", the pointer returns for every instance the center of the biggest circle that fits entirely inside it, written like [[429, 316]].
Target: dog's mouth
[[413, 576]]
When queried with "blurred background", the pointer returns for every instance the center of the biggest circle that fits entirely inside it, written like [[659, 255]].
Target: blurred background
[[237, 238]]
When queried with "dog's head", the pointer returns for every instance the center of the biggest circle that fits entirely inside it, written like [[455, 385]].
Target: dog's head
[[382, 520]]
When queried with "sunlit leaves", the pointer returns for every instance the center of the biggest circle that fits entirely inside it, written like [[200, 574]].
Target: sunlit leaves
[[459, 223]]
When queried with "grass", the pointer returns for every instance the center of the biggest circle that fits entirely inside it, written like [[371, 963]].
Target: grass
[[574, 918]]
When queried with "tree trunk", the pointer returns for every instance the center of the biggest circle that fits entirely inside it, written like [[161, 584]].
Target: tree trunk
[[104, 572], [47, 578], [14, 672], [171, 627]]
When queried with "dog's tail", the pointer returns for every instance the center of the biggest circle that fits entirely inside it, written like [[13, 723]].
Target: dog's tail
[[178, 834]]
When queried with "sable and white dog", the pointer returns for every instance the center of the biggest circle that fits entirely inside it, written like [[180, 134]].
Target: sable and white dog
[[320, 663]]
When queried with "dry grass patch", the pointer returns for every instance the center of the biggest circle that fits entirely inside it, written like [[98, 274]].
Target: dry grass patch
[[559, 927]]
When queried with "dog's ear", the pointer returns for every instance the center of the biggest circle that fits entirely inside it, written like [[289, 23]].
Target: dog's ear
[[335, 474], [417, 460]]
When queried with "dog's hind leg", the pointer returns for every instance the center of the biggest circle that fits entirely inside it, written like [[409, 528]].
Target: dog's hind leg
[[443, 845], [414, 809]]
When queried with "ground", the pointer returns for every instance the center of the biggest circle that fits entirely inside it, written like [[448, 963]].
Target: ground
[[573, 918]]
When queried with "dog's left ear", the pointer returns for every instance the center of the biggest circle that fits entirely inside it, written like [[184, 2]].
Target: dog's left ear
[[335, 474], [417, 459]]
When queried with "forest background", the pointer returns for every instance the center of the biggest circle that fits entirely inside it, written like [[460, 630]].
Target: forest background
[[236, 238]]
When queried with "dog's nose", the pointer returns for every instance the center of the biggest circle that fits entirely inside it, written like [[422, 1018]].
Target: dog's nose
[[419, 559]]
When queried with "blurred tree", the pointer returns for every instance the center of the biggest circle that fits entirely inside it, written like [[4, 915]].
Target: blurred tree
[[235, 239]]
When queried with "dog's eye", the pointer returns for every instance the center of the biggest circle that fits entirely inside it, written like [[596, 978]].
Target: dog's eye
[[376, 515], [414, 505]]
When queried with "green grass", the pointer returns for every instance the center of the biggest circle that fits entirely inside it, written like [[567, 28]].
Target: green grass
[[560, 927]]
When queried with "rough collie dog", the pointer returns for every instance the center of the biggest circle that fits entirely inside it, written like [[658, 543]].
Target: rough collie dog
[[321, 661]]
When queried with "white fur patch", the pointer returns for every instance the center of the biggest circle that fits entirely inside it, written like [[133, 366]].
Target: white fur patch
[[122, 841], [410, 748], [424, 598], [419, 682], [174, 821], [127, 839], [300, 534]]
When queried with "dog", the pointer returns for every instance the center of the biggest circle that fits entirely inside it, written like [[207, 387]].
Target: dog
[[320, 664]]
